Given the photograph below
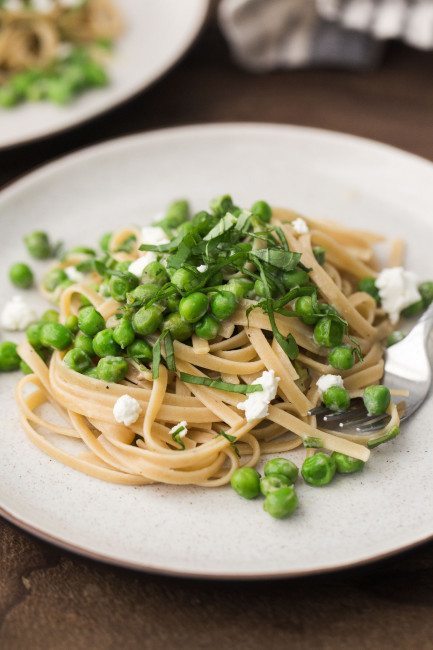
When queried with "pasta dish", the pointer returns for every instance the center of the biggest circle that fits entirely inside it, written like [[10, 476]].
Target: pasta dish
[[185, 352], [54, 49]]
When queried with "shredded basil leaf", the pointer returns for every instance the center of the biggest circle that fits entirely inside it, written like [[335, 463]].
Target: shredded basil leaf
[[284, 260], [176, 437], [232, 440], [169, 352], [156, 358], [244, 389], [223, 225], [127, 245]]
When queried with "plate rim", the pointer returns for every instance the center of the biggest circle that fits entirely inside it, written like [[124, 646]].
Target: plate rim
[[203, 9], [44, 171]]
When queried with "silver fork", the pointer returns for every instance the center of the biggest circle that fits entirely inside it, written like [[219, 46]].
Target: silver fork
[[407, 367]]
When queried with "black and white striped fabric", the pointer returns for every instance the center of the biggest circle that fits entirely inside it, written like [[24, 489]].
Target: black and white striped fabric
[[267, 34]]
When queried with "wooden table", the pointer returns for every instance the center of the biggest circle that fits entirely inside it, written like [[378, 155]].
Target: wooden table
[[50, 599]]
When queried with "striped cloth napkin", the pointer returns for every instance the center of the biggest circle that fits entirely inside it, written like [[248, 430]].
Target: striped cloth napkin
[[267, 34]]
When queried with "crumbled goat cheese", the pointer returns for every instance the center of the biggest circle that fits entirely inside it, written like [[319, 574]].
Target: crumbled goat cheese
[[74, 274], [326, 381], [17, 315], [202, 268], [300, 226], [183, 429], [397, 289], [256, 405], [137, 266], [153, 235], [126, 410]]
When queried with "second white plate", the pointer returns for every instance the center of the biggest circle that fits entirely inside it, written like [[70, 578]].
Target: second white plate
[[156, 35]]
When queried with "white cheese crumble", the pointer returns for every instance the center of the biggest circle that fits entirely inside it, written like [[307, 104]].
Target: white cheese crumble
[[74, 274], [202, 268], [137, 266], [17, 315], [153, 235], [181, 427], [326, 381], [126, 410], [300, 226], [256, 405], [397, 289]]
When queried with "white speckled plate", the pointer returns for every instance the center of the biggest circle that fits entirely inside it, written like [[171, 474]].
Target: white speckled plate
[[193, 531], [156, 36]]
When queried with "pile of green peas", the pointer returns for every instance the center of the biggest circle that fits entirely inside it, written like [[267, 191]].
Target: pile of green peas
[[280, 476], [376, 399], [59, 84]]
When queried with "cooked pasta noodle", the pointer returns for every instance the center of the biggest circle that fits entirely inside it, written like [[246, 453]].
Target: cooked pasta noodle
[[34, 42], [206, 381]]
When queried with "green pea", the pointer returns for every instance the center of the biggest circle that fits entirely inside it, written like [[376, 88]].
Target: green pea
[[123, 267], [72, 323], [112, 369], [179, 328], [90, 321], [147, 320], [320, 254], [104, 344], [92, 372], [336, 398], [104, 289], [25, 368], [173, 302], [368, 285], [347, 464], [58, 91], [53, 279], [50, 316], [272, 483], [223, 305], [119, 287], [282, 466], [38, 245], [140, 350], [414, 309], [9, 359], [123, 333], [376, 399], [155, 273], [341, 358], [394, 337], [282, 503], [305, 311], [329, 332], [21, 275], [246, 482], [55, 335], [193, 307], [319, 469], [177, 213], [77, 360], [220, 205], [260, 289], [104, 242], [426, 291], [207, 328], [263, 210], [185, 280], [203, 222], [8, 97], [33, 333], [295, 278], [142, 294], [240, 287], [84, 342]]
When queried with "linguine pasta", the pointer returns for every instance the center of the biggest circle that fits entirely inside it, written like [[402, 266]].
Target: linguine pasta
[[196, 380]]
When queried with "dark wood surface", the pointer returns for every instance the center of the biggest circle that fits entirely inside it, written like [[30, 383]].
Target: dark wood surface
[[50, 599]]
